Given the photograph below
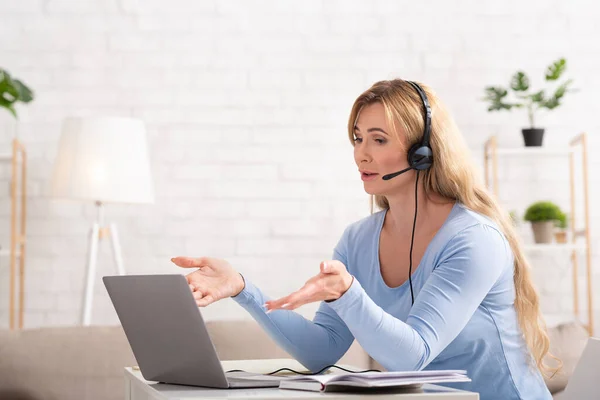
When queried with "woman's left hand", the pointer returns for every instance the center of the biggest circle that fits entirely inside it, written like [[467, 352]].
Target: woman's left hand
[[331, 283]]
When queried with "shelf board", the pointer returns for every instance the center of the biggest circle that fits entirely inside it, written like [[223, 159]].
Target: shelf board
[[532, 151], [4, 157], [6, 253], [554, 246]]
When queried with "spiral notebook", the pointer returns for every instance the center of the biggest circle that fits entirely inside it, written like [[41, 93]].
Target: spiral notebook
[[365, 380]]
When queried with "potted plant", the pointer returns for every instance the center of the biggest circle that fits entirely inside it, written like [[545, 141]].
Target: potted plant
[[533, 101], [560, 235], [543, 215], [13, 91]]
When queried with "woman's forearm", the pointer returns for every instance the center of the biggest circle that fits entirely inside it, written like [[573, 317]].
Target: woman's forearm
[[315, 344]]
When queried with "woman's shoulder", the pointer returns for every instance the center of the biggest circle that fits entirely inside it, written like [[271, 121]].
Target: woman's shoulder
[[466, 228], [362, 231], [465, 220], [368, 225]]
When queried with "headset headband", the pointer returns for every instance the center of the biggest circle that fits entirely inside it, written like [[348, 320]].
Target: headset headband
[[427, 109]]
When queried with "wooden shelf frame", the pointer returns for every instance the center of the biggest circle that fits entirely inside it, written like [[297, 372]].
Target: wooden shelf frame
[[16, 252], [491, 155]]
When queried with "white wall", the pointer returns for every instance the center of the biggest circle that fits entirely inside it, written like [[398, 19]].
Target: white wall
[[246, 103]]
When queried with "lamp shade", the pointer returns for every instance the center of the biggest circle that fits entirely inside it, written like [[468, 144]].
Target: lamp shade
[[103, 159]]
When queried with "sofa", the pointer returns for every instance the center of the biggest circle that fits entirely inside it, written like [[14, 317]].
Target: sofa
[[87, 362]]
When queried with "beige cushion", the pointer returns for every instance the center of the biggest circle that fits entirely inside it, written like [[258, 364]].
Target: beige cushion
[[567, 342], [64, 363]]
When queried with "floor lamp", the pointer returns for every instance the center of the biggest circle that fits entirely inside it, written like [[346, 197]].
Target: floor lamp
[[102, 160]]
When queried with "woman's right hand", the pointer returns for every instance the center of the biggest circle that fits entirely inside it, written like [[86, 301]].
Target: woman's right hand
[[214, 280]]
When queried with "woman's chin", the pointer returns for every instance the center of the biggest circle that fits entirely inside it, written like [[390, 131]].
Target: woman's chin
[[373, 191]]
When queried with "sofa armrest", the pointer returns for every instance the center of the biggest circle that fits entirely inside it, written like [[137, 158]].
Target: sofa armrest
[[567, 342], [64, 363]]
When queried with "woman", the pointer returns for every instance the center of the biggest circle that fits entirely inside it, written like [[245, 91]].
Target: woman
[[475, 307]]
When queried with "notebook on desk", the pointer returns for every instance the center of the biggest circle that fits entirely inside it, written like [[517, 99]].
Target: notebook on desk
[[373, 380]]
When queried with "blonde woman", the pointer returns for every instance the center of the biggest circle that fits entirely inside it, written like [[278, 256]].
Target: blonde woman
[[436, 279]]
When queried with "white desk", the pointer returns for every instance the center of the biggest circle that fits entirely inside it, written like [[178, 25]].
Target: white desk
[[137, 388]]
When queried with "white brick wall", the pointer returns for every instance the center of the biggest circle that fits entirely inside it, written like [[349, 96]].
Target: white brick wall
[[246, 102]]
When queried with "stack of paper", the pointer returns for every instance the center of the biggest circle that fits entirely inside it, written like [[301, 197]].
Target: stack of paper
[[407, 379]]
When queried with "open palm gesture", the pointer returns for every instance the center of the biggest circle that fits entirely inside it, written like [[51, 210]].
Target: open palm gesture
[[215, 279]]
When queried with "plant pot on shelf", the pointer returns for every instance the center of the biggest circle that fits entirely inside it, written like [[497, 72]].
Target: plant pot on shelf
[[560, 237], [533, 136], [542, 231]]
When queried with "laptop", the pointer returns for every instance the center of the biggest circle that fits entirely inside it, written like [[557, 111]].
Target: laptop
[[167, 334], [583, 384]]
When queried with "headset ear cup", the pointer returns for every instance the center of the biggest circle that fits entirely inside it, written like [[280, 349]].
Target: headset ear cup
[[420, 157], [411, 154]]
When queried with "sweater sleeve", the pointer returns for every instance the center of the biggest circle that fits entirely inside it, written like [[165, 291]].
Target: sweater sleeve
[[315, 344], [469, 266]]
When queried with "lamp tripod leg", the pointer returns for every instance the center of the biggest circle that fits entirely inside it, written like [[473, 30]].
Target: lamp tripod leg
[[90, 275], [116, 246]]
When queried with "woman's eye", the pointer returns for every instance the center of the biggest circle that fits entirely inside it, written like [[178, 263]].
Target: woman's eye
[[359, 140]]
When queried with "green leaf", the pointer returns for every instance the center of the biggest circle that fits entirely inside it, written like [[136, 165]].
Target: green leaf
[[25, 94], [554, 101], [562, 221], [519, 82], [537, 97], [555, 70], [7, 89], [499, 106], [562, 89], [551, 103], [8, 105], [495, 93]]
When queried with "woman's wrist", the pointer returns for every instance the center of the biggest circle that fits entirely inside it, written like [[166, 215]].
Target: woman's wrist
[[241, 284], [350, 279]]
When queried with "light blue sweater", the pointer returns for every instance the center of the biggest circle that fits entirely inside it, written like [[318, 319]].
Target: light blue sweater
[[463, 316]]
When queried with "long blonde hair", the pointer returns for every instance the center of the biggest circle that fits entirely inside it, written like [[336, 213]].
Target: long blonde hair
[[453, 175]]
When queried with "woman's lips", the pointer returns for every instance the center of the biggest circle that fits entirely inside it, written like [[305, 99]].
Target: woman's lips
[[368, 177]]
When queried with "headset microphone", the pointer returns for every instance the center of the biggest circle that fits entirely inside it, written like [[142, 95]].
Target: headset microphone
[[395, 174]]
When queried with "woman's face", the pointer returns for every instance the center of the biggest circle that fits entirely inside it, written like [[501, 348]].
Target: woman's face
[[377, 150]]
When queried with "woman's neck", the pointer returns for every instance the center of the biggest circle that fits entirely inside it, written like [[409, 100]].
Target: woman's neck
[[430, 211]]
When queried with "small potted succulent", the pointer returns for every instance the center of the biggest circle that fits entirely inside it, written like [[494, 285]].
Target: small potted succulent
[[560, 234], [532, 101], [543, 216]]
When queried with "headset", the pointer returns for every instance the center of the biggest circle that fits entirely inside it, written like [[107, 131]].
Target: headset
[[420, 158], [420, 155]]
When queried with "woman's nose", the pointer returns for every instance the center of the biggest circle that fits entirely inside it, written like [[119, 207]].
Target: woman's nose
[[362, 153]]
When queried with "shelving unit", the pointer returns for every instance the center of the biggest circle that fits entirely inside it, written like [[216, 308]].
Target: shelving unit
[[492, 153], [547, 247], [18, 209]]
